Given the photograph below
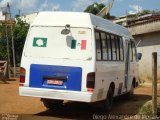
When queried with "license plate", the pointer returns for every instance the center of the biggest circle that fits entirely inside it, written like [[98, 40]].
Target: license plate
[[54, 82]]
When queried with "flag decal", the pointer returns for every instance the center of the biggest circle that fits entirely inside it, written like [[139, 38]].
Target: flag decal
[[83, 44], [73, 44]]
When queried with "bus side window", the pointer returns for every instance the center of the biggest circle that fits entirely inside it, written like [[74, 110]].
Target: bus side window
[[131, 52], [113, 48], [117, 47], [109, 47], [121, 49], [98, 46], [104, 46]]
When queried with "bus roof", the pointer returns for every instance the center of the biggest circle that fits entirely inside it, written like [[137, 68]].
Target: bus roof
[[79, 19]]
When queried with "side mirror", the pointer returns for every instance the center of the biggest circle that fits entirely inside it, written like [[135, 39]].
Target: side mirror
[[139, 56], [65, 31]]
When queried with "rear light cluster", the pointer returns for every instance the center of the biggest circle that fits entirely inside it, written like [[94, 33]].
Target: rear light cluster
[[22, 76], [90, 82]]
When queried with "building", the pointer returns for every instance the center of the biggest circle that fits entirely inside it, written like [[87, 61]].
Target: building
[[146, 31], [29, 18], [122, 20]]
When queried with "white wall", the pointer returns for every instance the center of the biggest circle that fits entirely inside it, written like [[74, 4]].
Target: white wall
[[2, 17], [149, 43]]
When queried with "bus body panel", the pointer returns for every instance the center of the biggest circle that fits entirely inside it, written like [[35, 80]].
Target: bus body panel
[[108, 72]]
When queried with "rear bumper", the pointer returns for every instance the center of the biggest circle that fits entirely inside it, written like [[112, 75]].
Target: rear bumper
[[57, 94]]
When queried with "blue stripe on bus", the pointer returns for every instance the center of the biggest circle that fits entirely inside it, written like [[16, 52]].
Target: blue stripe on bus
[[73, 76]]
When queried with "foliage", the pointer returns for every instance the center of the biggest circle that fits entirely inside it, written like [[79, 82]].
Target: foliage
[[146, 109], [3, 43], [144, 12], [95, 8], [19, 34]]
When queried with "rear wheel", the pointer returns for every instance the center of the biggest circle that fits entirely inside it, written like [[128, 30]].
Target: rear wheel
[[109, 100], [52, 104]]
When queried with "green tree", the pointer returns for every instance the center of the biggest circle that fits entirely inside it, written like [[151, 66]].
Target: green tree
[[95, 8], [144, 12], [3, 48], [19, 33]]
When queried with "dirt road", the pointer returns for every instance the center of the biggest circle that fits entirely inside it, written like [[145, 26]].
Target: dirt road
[[28, 107]]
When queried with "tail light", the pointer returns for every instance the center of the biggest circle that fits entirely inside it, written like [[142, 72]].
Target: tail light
[[22, 76], [90, 81]]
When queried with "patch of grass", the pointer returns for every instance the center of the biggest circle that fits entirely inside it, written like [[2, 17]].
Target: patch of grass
[[146, 109]]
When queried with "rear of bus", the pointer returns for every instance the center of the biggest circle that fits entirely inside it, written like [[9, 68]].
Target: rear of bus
[[55, 65]]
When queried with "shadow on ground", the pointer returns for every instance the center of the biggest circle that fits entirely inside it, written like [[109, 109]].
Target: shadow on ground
[[6, 80], [86, 111]]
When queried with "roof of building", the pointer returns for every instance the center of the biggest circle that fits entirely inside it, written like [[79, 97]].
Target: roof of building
[[144, 24], [144, 19], [79, 19]]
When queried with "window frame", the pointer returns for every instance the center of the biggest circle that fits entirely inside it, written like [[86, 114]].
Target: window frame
[[133, 47]]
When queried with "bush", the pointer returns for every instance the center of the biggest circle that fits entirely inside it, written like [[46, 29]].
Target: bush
[[146, 109]]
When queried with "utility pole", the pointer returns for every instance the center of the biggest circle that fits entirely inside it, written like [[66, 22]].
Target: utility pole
[[154, 84], [19, 12], [126, 18], [12, 39], [138, 12]]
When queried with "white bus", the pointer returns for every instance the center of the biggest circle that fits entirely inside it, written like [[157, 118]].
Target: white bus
[[77, 57]]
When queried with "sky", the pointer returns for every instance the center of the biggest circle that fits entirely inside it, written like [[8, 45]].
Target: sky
[[120, 7]]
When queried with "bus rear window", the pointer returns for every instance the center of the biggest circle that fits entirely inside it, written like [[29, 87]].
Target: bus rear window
[[48, 42]]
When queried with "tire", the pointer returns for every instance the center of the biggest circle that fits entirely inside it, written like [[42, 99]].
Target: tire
[[52, 104], [109, 101]]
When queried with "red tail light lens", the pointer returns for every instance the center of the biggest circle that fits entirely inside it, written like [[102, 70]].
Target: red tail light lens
[[22, 75], [91, 81], [22, 79]]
